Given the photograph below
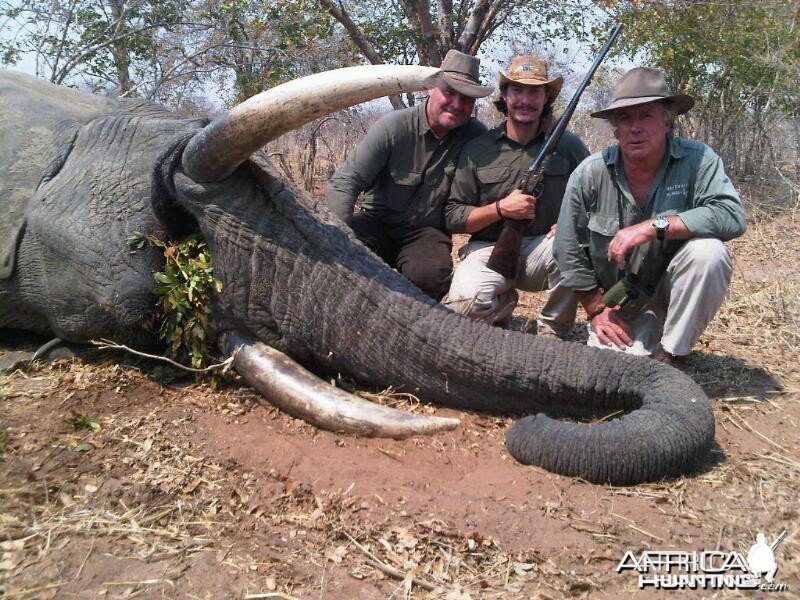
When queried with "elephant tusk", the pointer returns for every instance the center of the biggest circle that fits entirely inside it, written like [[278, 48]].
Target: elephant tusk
[[216, 150], [294, 390]]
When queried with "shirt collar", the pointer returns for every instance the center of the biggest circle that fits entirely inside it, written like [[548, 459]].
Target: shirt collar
[[499, 132]]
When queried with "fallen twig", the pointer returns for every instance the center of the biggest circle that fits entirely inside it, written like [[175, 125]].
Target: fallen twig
[[383, 567], [398, 574], [225, 365]]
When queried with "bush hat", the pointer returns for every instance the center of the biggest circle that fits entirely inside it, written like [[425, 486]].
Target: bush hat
[[529, 70], [641, 85], [460, 72]]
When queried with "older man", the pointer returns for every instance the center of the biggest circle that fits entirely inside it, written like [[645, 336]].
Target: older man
[[485, 191], [652, 211], [405, 165]]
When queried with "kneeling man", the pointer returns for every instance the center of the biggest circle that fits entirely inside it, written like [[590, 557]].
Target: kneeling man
[[485, 192], [652, 211]]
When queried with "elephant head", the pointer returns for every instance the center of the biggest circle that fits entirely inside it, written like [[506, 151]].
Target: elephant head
[[295, 280]]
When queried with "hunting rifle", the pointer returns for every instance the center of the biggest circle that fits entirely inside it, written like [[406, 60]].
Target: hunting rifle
[[505, 254], [777, 542]]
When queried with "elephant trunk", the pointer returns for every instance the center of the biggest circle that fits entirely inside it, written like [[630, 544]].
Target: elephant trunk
[[301, 280]]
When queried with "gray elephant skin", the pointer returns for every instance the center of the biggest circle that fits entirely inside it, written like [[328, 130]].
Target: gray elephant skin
[[81, 174]]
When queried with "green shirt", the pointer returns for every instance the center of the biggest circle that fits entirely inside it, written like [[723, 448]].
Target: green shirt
[[493, 165], [403, 168], [691, 183]]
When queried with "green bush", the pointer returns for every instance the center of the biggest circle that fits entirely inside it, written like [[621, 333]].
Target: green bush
[[184, 289]]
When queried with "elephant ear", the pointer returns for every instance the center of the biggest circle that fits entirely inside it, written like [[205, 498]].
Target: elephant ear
[[215, 151], [38, 124]]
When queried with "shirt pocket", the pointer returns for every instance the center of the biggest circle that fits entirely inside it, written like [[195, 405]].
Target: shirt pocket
[[492, 175], [601, 229], [404, 186], [604, 225], [494, 182]]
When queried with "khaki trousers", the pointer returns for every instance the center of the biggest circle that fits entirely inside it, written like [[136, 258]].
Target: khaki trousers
[[482, 294], [684, 302]]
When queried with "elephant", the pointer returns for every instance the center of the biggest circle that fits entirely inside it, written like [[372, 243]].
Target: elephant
[[81, 174]]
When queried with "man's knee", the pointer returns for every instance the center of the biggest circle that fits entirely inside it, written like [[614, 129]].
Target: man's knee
[[708, 255], [431, 276], [488, 307]]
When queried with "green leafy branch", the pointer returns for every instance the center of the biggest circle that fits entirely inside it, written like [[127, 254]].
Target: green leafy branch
[[184, 288]]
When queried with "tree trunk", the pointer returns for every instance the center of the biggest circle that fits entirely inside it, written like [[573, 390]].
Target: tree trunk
[[122, 61]]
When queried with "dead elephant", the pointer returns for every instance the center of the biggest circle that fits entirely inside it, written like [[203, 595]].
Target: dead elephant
[[81, 174]]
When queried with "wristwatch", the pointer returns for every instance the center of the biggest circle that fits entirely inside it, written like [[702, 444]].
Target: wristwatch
[[661, 224]]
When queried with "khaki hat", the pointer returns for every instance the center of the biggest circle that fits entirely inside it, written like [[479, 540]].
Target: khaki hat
[[642, 85], [460, 72], [529, 70]]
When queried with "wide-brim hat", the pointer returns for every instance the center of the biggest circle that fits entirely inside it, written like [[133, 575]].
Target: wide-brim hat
[[460, 72], [529, 70], [640, 86]]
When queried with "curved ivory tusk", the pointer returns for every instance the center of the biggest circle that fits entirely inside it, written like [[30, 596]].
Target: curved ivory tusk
[[216, 150], [294, 390]]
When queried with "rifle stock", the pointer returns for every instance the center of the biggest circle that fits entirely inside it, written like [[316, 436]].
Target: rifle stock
[[505, 254]]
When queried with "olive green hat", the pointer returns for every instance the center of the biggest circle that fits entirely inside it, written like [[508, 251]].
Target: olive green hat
[[460, 72], [642, 85]]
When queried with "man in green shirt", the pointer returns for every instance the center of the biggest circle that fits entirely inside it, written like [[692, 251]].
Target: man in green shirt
[[404, 166], [485, 191], [654, 210]]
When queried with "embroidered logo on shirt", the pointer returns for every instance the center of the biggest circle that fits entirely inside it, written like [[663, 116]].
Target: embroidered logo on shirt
[[677, 189]]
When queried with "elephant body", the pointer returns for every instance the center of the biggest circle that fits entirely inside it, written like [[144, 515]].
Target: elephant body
[[98, 172]]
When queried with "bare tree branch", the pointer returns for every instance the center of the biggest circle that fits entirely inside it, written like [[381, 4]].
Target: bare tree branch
[[475, 24], [446, 23], [359, 39]]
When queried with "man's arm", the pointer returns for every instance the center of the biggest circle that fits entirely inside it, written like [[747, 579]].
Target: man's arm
[[464, 195], [360, 171], [577, 272], [717, 210], [517, 205]]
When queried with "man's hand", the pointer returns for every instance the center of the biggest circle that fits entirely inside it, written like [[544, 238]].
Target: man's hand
[[518, 206], [611, 328], [627, 239]]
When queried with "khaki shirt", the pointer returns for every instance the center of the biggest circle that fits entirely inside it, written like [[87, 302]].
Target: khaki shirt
[[493, 165], [403, 168], [691, 183]]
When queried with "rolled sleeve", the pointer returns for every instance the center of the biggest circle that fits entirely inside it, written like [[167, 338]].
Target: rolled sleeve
[[717, 209], [577, 272], [359, 172]]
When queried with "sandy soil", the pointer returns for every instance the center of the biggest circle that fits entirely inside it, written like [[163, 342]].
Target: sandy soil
[[117, 482]]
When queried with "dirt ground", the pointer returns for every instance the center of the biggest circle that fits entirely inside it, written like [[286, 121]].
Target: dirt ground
[[118, 482]]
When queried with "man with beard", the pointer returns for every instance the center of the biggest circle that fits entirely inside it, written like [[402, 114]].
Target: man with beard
[[485, 192], [404, 166]]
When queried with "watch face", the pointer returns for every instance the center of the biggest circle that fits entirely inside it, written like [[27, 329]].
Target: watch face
[[661, 223]]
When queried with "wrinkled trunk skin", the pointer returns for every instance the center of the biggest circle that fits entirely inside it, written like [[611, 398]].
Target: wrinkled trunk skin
[[308, 287]]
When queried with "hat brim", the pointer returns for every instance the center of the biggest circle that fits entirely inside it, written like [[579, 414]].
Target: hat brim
[[554, 85], [680, 103], [473, 90]]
